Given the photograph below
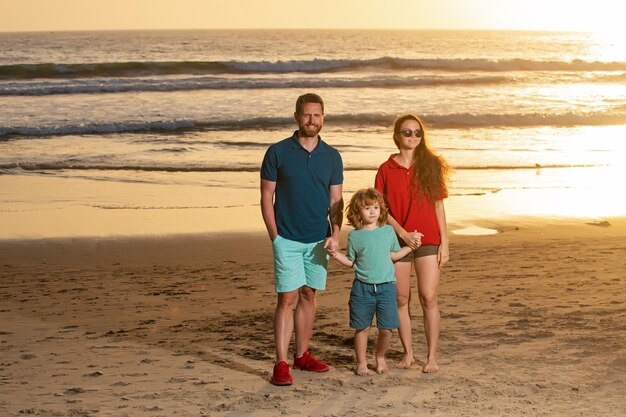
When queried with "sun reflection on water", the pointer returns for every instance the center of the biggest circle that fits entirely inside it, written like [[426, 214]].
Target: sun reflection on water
[[610, 43]]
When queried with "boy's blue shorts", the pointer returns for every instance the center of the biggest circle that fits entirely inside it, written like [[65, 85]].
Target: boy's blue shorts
[[297, 264], [369, 299]]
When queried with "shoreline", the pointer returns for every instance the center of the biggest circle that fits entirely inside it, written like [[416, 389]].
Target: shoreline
[[48, 207]]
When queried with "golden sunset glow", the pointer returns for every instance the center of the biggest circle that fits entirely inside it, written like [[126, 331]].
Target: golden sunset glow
[[167, 224], [603, 16]]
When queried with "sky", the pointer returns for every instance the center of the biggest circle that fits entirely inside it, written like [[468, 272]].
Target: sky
[[55, 15]]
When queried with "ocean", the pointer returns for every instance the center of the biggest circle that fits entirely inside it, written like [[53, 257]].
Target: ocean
[[158, 132]]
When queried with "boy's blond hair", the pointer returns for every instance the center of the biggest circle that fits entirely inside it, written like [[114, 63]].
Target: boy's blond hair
[[362, 198]]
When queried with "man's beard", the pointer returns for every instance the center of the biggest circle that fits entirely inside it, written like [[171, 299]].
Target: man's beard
[[310, 131]]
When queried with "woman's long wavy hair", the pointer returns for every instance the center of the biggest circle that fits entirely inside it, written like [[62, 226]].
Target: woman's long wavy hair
[[363, 198], [431, 171]]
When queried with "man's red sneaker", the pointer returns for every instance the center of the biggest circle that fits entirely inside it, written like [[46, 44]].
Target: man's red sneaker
[[281, 375], [309, 363]]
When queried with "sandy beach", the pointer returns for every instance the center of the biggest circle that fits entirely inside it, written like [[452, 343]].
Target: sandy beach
[[533, 325]]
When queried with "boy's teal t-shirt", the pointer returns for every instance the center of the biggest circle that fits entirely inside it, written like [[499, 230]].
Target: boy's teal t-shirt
[[371, 250]]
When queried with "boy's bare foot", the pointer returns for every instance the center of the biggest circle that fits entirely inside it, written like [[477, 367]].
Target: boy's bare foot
[[381, 365], [431, 366], [406, 362], [361, 370]]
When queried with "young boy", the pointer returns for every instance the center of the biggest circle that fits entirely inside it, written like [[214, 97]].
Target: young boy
[[372, 249]]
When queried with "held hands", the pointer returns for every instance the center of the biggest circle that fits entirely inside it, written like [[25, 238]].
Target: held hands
[[331, 245], [412, 239]]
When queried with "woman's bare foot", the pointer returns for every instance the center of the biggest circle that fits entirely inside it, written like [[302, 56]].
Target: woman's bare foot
[[361, 370], [406, 362], [381, 365], [431, 366]]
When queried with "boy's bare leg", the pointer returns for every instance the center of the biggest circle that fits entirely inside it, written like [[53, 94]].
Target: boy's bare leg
[[382, 346], [360, 349], [403, 289], [428, 275], [304, 318], [283, 323]]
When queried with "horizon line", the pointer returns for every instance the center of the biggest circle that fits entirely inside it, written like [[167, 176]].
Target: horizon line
[[448, 29]]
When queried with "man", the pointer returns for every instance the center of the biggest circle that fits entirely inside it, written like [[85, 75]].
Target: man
[[301, 189]]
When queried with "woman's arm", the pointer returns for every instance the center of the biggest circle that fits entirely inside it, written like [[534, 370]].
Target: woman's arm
[[413, 239], [408, 237], [443, 254]]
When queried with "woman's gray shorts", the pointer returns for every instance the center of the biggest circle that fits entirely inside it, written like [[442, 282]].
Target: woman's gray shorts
[[424, 250]]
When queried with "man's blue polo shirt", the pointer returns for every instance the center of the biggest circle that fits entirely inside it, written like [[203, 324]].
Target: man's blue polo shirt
[[303, 180]]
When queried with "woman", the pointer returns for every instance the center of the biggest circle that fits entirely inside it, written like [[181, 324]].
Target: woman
[[414, 184]]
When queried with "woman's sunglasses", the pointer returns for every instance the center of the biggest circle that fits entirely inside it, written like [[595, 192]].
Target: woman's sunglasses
[[419, 133]]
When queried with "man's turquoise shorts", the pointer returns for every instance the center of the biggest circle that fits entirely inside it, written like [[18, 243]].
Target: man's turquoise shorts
[[297, 264]]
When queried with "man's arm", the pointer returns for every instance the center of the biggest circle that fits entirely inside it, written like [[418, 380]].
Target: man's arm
[[267, 207], [336, 216]]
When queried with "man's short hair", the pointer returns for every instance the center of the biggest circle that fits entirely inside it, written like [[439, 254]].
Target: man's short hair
[[308, 98]]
